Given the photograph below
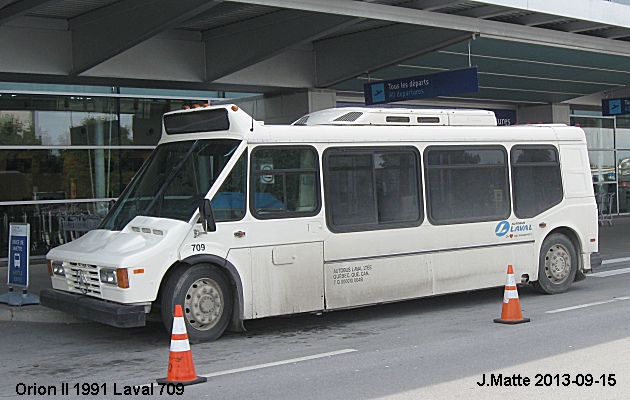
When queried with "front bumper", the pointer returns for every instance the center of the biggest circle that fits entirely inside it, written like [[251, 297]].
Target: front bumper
[[114, 314]]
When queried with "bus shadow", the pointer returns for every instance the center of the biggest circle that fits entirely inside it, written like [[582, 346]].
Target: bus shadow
[[365, 317]]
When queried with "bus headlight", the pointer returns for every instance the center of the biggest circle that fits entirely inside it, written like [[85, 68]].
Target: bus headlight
[[109, 276], [117, 277], [57, 268]]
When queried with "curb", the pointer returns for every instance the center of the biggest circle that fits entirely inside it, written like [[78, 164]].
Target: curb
[[35, 313]]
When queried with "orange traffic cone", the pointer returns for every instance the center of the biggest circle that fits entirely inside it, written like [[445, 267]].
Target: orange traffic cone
[[180, 363], [511, 313]]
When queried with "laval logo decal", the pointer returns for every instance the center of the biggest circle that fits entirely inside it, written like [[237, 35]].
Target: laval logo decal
[[502, 228], [515, 229]]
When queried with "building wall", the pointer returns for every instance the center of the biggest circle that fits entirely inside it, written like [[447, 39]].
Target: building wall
[[285, 108], [546, 114]]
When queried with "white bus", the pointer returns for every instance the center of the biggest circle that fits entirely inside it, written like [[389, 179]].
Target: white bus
[[237, 220]]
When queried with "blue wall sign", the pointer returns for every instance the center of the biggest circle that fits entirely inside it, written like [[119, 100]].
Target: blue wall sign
[[421, 87], [505, 117], [19, 243], [616, 106]]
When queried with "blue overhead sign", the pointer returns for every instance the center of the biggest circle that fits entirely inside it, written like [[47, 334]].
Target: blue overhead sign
[[505, 117], [19, 239], [421, 87], [616, 106]]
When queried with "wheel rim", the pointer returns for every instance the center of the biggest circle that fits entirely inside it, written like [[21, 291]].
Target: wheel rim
[[558, 263], [204, 304]]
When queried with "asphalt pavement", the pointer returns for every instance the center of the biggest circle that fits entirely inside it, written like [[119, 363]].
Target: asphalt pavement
[[614, 246]]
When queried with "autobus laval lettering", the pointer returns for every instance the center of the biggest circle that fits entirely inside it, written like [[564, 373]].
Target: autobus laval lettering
[[237, 220]]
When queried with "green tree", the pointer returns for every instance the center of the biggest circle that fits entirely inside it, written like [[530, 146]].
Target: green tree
[[17, 132]]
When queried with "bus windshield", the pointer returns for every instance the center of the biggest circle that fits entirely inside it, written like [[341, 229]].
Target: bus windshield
[[172, 182]]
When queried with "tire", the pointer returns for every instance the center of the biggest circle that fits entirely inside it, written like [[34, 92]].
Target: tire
[[557, 265], [206, 299]]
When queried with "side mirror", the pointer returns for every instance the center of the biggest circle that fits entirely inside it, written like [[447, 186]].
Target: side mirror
[[207, 217]]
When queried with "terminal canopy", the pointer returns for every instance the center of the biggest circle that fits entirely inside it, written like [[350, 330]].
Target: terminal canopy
[[526, 52]]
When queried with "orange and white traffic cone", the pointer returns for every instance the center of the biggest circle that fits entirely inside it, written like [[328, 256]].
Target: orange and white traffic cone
[[511, 313], [180, 363]]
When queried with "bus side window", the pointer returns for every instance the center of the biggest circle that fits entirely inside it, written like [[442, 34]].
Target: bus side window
[[467, 184], [284, 182], [228, 204], [536, 180], [372, 188]]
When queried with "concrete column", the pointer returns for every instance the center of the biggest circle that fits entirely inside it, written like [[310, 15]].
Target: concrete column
[[99, 154], [285, 108], [546, 114], [99, 161]]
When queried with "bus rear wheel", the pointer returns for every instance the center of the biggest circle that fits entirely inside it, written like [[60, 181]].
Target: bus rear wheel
[[557, 265], [206, 299]]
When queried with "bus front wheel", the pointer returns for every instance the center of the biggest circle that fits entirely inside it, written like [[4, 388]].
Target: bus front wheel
[[557, 265], [206, 299]]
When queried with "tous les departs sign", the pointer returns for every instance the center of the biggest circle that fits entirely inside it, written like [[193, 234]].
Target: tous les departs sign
[[423, 86], [615, 106]]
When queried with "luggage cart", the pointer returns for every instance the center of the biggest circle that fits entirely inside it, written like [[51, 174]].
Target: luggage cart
[[78, 225], [604, 207]]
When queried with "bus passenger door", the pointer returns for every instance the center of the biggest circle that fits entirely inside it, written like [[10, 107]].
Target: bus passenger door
[[285, 231]]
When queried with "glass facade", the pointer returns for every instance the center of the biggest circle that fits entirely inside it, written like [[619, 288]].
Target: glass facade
[[609, 154], [63, 158]]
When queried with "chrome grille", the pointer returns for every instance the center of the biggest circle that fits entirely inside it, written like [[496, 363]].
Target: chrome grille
[[83, 278]]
